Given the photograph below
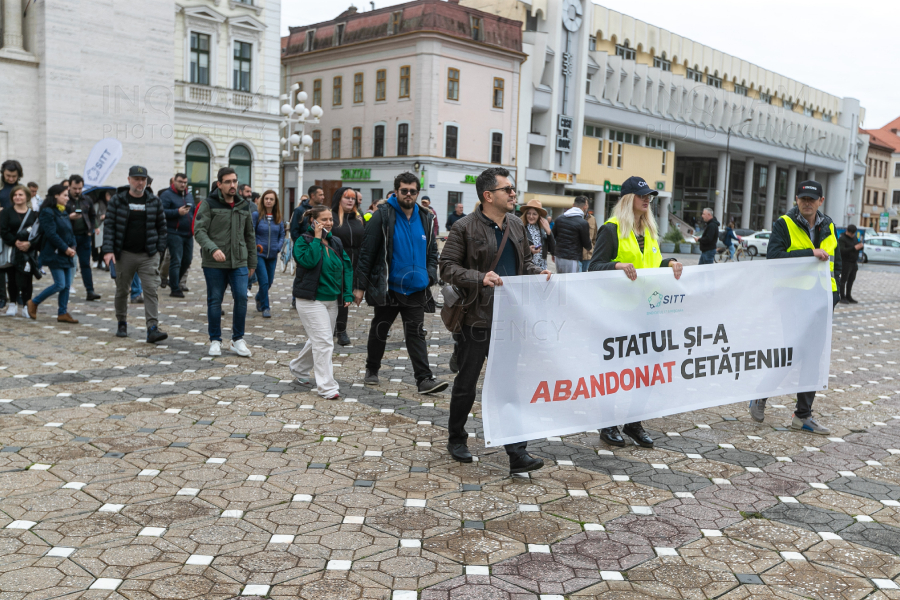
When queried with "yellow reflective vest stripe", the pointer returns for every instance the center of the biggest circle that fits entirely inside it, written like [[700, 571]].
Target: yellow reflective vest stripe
[[800, 241], [630, 251]]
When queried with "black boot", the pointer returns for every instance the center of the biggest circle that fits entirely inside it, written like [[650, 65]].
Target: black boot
[[91, 296], [460, 452], [122, 331], [611, 436], [342, 338], [454, 363], [524, 462], [636, 432]]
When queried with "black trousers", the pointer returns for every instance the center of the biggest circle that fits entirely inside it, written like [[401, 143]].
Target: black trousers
[[411, 309], [472, 345], [848, 276]]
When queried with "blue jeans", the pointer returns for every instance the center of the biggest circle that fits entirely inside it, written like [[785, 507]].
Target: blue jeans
[[83, 250], [584, 265], [708, 257], [216, 280], [62, 281], [265, 267], [136, 289], [181, 251]]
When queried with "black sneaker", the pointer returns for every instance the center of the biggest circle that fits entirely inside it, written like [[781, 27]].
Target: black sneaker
[[343, 339], [523, 463], [371, 377], [176, 294], [163, 284], [155, 335], [851, 300], [454, 363], [122, 331], [432, 386], [91, 296]]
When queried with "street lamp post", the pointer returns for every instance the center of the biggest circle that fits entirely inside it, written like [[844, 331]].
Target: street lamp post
[[294, 138], [726, 186], [806, 149]]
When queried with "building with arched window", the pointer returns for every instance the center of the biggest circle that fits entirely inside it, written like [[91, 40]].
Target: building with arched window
[[226, 92]]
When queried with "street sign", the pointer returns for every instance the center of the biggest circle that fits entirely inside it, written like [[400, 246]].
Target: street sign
[[883, 221], [609, 187], [563, 141]]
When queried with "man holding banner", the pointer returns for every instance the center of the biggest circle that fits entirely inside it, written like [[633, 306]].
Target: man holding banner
[[804, 231], [483, 247], [627, 242]]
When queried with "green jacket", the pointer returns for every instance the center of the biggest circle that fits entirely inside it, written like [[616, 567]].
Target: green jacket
[[218, 226], [335, 271]]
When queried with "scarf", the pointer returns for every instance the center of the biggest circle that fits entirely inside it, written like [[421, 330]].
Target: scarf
[[534, 234]]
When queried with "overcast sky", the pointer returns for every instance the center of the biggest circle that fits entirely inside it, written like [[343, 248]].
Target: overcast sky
[[840, 47]]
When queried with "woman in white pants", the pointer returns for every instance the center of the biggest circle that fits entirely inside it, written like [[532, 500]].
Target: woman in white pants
[[324, 281]]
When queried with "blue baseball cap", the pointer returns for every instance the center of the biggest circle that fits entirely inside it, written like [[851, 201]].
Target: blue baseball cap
[[637, 185]]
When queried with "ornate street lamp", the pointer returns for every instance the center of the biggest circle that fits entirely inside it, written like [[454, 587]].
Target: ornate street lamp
[[295, 141]]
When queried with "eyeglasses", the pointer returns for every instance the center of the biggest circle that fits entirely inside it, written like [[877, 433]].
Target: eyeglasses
[[510, 189], [407, 192]]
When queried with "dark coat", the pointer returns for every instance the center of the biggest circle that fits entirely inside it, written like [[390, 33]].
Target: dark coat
[[710, 236], [56, 229], [846, 246], [453, 218], [376, 254], [467, 256], [10, 233], [780, 240], [88, 213], [172, 200], [269, 237], [573, 237], [116, 223], [306, 281], [297, 226]]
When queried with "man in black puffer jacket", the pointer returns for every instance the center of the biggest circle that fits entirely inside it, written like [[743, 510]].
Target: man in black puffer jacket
[[573, 237], [708, 238], [133, 233]]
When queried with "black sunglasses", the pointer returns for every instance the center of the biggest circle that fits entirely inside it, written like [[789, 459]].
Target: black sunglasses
[[510, 189], [407, 192]]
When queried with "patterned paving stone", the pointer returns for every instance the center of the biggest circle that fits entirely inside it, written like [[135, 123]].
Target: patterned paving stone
[[414, 523], [531, 490], [699, 513], [477, 587], [815, 581], [854, 558], [474, 506], [867, 488], [729, 555], [630, 493], [658, 531], [604, 550], [533, 527], [618, 590], [545, 573], [473, 546], [707, 468], [875, 535], [840, 502], [416, 485], [673, 577], [809, 517], [739, 498], [43, 577], [407, 568], [772, 535], [800, 471], [585, 509]]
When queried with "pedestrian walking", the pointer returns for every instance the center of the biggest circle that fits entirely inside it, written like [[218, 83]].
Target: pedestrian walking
[[35, 198], [350, 229], [592, 230], [804, 231], [573, 236], [709, 238], [849, 249], [492, 242], [57, 253], [397, 265], [133, 234], [270, 234], [86, 225], [224, 231], [316, 197], [323, 283], [178, 205], [10, 175], [730, 239], [16, 224], [541, 240], [628, 241], [425, 202], [455, 216]]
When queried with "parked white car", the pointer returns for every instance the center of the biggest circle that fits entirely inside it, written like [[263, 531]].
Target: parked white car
[[756, 244], [881, 249]]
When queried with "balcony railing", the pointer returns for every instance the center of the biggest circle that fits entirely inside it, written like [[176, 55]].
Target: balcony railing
[[223, 98]]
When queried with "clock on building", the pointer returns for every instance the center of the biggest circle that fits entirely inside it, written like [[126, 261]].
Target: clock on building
[[572, 15]]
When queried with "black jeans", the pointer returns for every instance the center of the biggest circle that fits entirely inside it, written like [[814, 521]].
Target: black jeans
[[848, 276], [411, 309], [181, 253], [472, 345], [20, 285], [83, 244]]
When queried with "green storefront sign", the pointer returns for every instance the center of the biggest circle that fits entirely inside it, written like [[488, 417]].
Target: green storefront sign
[[356, 174], [608, 187], [469, 179], [661, 186]]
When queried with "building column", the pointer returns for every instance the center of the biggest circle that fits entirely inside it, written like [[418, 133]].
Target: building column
[[12, 25], [835, 198], [720, 185], [600, 208], [791, 186], [749, 164], [857, 200], [812, 175], [770, 195], [664, 203]]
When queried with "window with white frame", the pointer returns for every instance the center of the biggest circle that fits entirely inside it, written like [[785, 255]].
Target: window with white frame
[[714, 81], [764, 97], [624, 51], [378, 149], [242, 66], [199, 58], [740, 90], [807, 111], [694, 74], [496, 147], [310, 40], [788, 105], [403, 139], [451, 140], [661, 63], [592, 43], [897, 169]]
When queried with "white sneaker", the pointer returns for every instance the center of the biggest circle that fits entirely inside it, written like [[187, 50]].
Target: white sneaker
[[215, 348], [240, 348], [11, 310], [249, 293], [24, 312]]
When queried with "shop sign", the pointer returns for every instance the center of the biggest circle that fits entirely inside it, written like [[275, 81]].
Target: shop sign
[[661, 186], [561, 177], [883, 221], [563, 141], [470, 179], [356, 174], [609, 187]]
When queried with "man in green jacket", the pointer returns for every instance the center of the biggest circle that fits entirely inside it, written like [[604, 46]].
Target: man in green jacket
[[224, 231]]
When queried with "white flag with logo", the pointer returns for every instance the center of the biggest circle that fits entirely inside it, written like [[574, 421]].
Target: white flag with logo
[[591, 350], [101, 161]]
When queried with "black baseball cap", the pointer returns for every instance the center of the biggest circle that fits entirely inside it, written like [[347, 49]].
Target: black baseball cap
[[137, 171], [637, 185], [810, 189]]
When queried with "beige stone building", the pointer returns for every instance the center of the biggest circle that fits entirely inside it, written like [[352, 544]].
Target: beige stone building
[[875, 193]]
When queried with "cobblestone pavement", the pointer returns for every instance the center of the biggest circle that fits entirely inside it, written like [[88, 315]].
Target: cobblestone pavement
[[155, 472]]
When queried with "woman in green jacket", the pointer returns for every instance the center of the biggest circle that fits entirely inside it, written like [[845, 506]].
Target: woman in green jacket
[[322, 283]]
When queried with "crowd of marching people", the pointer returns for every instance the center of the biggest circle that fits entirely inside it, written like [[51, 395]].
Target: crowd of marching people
[[386, 255]]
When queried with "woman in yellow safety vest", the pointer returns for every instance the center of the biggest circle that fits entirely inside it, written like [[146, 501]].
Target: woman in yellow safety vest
[[627, 242]]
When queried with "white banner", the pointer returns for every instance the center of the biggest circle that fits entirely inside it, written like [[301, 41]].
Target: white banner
[[101, 161], [591, 350]]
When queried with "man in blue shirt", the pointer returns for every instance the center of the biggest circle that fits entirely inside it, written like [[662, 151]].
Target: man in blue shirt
[[397, 265]]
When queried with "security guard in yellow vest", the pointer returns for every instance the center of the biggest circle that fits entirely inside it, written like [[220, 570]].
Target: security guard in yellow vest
[[804, 231], [627, 242]]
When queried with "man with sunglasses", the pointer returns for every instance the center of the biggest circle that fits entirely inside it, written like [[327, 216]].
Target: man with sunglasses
[[483, 247], [396, 267]]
